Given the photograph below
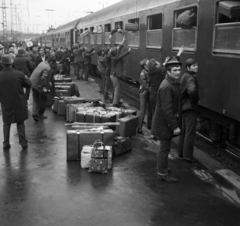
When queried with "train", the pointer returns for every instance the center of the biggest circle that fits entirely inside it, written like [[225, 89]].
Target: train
[[214, 41]]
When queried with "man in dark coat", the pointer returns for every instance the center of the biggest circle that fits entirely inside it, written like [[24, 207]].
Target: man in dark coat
[[87, 60], [190, 98], [41, 83], [117, 69], [23, 64], [167, 115], [13, 101]]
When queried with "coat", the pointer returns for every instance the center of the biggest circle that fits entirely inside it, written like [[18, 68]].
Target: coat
[[77, 56], [39, 60], [12, 97], [87, 56], [167, 115], [23, 64], [190, 91], [156, 76], [41, 76], [117, 63]]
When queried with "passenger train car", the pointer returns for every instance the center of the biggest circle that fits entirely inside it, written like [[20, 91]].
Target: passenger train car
[[214, 41]]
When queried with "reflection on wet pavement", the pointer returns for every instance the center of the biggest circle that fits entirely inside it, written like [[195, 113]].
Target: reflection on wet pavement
[[223, 187]]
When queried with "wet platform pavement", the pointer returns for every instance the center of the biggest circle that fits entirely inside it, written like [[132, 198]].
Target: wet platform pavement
[[39, 187]]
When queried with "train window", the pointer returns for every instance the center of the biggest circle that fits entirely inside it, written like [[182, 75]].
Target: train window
[[86, 38], [185, 28], [92, 35], [227, 28], [154, 32], [80, 40], [133, 37], [107, 30], [99, 34], [118, 36]]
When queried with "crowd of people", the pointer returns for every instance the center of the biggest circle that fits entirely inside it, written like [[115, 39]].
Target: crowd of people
[[169, 98]]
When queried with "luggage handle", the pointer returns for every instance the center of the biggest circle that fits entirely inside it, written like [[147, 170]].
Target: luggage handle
[[98, 143]]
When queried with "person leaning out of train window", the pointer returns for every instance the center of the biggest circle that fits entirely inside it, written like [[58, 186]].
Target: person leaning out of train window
[[87, 60], [117, 69], [101, 66], [144, 96], [41, 56], [190, 99], [23, 64], [117, 29]]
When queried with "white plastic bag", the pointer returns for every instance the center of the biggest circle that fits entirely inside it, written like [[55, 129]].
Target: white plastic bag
[[86, 156]]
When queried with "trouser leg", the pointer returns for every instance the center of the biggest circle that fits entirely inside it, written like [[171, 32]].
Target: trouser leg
[[106, 87], [35, 108], [190, 118], [77, 70], [162, 157], [142, 111], [102, 88], [87, 71], [42, 104], [21, 134], [6, 133], [116, 86], [149, 112]]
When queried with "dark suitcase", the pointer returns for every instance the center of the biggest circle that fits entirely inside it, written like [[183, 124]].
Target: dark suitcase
[[72, 145]]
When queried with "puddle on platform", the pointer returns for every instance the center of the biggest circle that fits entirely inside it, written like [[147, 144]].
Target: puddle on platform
[[226, 189]]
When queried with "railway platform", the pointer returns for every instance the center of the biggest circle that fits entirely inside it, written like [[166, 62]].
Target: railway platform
[[39, 187]]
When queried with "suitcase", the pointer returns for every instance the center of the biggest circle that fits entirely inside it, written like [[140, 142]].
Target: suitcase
[[128, 126], [67, 85], [55, 106], [49, 101], [72, 145], [126, 112], [86, 154], [62, 80], [121, 145], [63, 92], [61, 110]]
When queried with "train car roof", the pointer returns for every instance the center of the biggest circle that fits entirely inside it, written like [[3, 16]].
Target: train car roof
[[119, 9], [67, 27]]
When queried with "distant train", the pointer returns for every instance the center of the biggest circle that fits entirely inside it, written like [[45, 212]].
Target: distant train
[[214, 41]]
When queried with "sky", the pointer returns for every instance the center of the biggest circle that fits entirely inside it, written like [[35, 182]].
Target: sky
[[38, 15]]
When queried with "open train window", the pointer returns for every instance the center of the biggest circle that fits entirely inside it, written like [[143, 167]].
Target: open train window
[[99, 34], [185, 28], [133, 36], [154, 31], [107, 30], [118, 36], [92, 35], [227, 28], [86, 38]]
